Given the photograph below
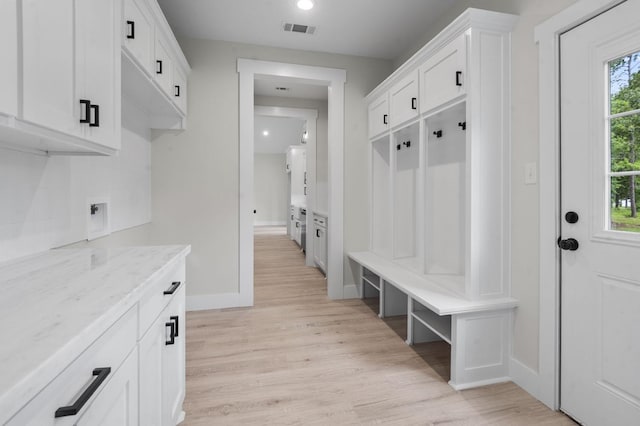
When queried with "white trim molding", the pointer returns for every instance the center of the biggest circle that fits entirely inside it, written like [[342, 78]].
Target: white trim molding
[[547, 36], [334, 80]]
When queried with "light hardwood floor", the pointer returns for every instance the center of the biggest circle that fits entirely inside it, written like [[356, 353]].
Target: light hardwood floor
[[298, 358]]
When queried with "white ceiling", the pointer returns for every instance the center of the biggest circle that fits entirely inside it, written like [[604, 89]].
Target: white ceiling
[[373, 28], [283, 132], [296, 90]]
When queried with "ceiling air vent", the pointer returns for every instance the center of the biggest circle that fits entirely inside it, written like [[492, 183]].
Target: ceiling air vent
[[298, 28]]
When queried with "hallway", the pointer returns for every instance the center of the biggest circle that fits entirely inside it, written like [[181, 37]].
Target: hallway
[[298, 358]]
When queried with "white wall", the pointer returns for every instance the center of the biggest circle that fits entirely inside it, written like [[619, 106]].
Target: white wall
[[270, 187], [195, 197], [43, 200], [524, 198], [322, 147]]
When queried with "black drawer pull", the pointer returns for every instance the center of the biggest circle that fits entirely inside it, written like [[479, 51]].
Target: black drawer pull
[[173, 288], [413, 103], [158, 67], [86, 104], [176, 319], [131, 34], [177, 91], [172, 333], [384, 119], [96, 116], [458, 75], [318, 233], [71, 410]]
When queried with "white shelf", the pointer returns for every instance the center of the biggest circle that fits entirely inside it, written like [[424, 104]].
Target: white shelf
[[441, 325]]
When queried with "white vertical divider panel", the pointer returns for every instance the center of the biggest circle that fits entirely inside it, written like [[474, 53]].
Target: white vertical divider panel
[[8, 65]]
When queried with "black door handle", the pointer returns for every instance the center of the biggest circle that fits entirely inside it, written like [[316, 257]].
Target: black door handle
[[131, 34], [177, 92], [158, 66], [96, 116], [176, 319], [172, 333], [458, 75], [413, 103], [87, 111], [71, 410], [571, 217], [173, 288], [570, 244]]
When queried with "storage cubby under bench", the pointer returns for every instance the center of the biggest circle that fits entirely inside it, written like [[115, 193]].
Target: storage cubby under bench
[[477, 330]]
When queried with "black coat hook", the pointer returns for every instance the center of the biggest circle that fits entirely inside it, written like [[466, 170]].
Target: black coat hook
[[438, 133], [463, 124]]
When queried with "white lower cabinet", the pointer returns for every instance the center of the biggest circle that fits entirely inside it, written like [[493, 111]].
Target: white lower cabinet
[[133, 374], [116, 404], [162, 366], [95, 378], [320, 242]]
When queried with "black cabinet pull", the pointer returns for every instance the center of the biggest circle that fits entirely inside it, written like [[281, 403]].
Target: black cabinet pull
[[177, 91], [172, 333], [318, 233], [173, 288], [96, 116], [158, 66], [131, 34], [87, 111], [71, 410], [458, 75], [176, 319], [384, 119], [413, 103]]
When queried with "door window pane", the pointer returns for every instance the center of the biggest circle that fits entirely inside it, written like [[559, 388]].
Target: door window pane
[[625, 143], [624, 84], [624, 212]]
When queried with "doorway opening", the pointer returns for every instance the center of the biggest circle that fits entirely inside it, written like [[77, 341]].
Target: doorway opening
[[333, 81]]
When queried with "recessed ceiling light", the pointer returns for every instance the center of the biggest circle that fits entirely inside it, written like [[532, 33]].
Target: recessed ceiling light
[[305, 4], [266, 133]]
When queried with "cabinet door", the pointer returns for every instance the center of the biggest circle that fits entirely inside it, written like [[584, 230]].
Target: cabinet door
[[164, 66], [443, 77], [98, 57], [173, 362], [9, 63], [378, 116], [49, 68], [180, 89], [138, 35], [404, 100], [117, 404], [151, 349]]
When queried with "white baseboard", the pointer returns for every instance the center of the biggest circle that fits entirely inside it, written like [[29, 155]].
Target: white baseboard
[[350, 291], [525, 377], [269, 223], [216, 301]]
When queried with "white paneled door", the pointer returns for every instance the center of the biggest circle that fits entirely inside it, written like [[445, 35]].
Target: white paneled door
[[600, 242]]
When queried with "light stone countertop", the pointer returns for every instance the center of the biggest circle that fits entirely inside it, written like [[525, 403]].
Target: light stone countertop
[[53, 305]]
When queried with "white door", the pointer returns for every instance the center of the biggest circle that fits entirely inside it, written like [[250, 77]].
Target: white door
[[600, 256]]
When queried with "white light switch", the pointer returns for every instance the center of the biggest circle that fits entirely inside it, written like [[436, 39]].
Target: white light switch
[[530, 174]]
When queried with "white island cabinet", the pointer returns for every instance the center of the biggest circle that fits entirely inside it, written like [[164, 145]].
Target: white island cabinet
[[96, 337]]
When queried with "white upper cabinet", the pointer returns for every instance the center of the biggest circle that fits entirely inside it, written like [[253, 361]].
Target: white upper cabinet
[[154, 69], [379, 116], [164, 65], [180, 89], [98, 73], [404, 100], [138, 35], [49, 66], [443, 76], [9, 64]]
